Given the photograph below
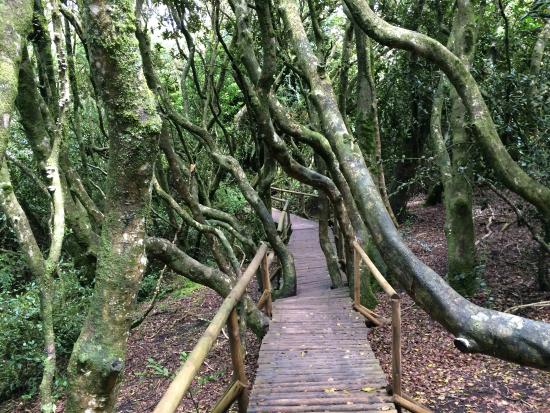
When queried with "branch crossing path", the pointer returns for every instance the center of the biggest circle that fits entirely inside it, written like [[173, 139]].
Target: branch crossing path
[[316, 356]]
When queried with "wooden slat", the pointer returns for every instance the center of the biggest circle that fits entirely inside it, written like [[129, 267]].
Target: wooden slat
[[316, 356]]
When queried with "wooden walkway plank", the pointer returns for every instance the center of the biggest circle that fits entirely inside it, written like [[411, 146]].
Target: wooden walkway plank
[[316, 356]]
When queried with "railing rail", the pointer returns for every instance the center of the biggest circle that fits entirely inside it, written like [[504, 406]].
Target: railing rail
[[227, 313], [301, 197], [360, 256]]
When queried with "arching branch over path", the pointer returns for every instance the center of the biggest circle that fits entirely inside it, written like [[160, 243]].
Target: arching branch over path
[[477, 329]]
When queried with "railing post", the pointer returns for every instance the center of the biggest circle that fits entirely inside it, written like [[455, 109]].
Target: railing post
[[356, 277], [237, 358], [396, 344], [266, 281]]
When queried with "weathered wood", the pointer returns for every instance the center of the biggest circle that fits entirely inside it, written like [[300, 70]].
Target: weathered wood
[[316, 356], [396, 345], [409, 404], [266, 281], [181, 383], [356, 278], [368, 314], [388, 289], [263, 299], [237, 358], [230, 395], [290, 191]]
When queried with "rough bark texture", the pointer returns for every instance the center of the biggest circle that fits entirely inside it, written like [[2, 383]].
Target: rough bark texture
[[327, 246], [15, 24], [454, 163], [477, 329], [97, 360], [536, 59], [367, 127]]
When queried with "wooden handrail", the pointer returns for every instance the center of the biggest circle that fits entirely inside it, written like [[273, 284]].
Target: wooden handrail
[[181, 383], [388, 289], [359, 255], [290, 191]]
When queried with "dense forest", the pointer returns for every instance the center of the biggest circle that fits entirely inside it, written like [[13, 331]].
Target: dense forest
[[140, 142]]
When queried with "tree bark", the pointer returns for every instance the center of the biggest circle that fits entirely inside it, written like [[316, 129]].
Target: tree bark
[[222, 283], [15, 24], [367, 127], [455, 168], [98, 356]]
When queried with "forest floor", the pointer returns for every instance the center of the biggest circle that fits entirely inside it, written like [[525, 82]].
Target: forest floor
[[434, 372]]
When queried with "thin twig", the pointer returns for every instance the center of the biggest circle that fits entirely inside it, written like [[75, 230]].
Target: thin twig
[[538, 305]]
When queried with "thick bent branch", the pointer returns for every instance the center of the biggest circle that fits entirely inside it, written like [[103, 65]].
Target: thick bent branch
[[485, 131], [222, 283], [477, 329], [202, 227]]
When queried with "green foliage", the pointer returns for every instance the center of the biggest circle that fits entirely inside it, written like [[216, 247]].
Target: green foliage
[[186, 287], [156, 368], [202, 380], [230, 199], [12, 270], [21, 341]]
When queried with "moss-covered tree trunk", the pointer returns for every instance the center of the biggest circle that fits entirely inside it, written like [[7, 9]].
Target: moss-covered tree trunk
[[328, 248], [97, 361], [485, 133], [455, 167], [367, 127], [15, 24]]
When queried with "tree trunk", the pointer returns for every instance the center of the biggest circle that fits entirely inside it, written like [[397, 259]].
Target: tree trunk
[[97, 361], [367, 127], [485, 131], [455, 168], [15, 24], [330, 253], [181, 263]]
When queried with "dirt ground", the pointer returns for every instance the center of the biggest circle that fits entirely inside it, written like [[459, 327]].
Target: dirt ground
[[434, 372]]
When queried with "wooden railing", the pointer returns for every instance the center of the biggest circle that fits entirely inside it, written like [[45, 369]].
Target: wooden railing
[[360, 256], [227, 314], [300, 195]]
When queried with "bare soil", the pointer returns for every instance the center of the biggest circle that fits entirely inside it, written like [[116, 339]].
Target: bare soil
[[434, 371]]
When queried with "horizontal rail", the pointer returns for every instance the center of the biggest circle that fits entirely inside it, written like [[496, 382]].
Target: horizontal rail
[[181, 383], [388, 289], [359, 255], [290, 191], [410, 404]]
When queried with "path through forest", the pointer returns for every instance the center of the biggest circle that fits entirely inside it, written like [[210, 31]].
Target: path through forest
[[316, 355]]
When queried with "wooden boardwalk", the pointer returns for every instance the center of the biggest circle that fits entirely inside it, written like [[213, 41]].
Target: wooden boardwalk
[[316, 356]]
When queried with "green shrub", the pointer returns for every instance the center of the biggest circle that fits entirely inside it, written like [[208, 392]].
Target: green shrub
[[21, 330]]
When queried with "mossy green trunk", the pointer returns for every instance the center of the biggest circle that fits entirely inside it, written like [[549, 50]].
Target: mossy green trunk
[[455, 163], [97, 361], [477, 329], [15, 24]]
